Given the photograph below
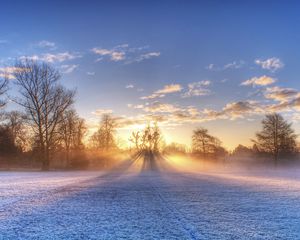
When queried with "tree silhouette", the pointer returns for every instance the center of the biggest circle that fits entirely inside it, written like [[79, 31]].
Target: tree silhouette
[[201, 141], [104, 138], [15, 122], [276, 137], [7, 145], [44, 100], [242, 151], [3, 89], [205, 144], [149, 139], [135, 139], [71, 132]]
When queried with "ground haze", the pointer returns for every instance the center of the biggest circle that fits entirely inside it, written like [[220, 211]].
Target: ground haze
[[147, 197]]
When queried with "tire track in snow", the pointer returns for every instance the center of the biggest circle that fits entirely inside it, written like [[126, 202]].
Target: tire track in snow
[[151, 164], [178, 217]]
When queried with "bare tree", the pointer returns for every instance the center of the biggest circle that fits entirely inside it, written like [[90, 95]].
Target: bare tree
[[16, 123], [149, 139], [156, 137], [71, 132], [104, 138], [205, 144], [201, 141], [66, 131], [3, 89], [80, 134], [44, 99], [7, 145], [276, 137], [242, 151], [135, 139]]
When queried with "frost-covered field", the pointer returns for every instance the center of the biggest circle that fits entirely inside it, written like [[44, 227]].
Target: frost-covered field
[[141, 201]]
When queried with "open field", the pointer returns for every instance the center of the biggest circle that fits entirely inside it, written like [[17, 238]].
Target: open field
[[150, 199]]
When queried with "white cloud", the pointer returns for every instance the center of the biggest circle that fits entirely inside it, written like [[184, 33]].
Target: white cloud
[[197, 89], [59, 57], [280, 94], [99, 59], [138, 49], [211, 66], [161, 107], [33, 58], [240, 108], [231, 65], [233, 110], [68, 68], [8, 72], [46, 44], [234, 65], [129, 86], [90, 73], [101, 51], [287, 100], [163, 113], [167, 114], [138, 106], [10, 69], [52, 57], [6, 76], [259, 81], [124, 45], [116, 54], [146, 56], [271, 64], [296, 102], [171, 88], [124, 53], [100, 112], [152, 96]]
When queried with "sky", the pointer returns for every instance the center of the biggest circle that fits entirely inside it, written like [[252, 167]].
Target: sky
[[221, 65]]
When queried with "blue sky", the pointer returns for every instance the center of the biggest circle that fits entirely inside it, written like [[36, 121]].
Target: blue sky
[[186, 63]]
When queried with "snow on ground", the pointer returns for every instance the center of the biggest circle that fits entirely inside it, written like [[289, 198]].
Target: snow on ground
[[151, 202]]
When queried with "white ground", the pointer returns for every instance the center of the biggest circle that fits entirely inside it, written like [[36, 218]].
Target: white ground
[[146, 200]]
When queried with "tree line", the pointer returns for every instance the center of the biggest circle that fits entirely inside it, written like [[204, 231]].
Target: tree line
[[48, 127], [47, 124], [276, 139]]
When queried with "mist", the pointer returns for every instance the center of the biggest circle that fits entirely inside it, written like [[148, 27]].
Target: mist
[[149, 120]]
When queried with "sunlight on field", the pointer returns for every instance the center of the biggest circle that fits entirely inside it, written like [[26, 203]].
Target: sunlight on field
[[264, 178], [265, 181], [187, 164]]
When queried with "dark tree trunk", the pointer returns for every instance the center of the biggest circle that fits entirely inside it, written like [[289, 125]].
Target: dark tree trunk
[[46, 161]]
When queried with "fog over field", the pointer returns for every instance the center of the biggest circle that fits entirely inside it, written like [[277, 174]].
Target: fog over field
[[150, 198], [149, 120]]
